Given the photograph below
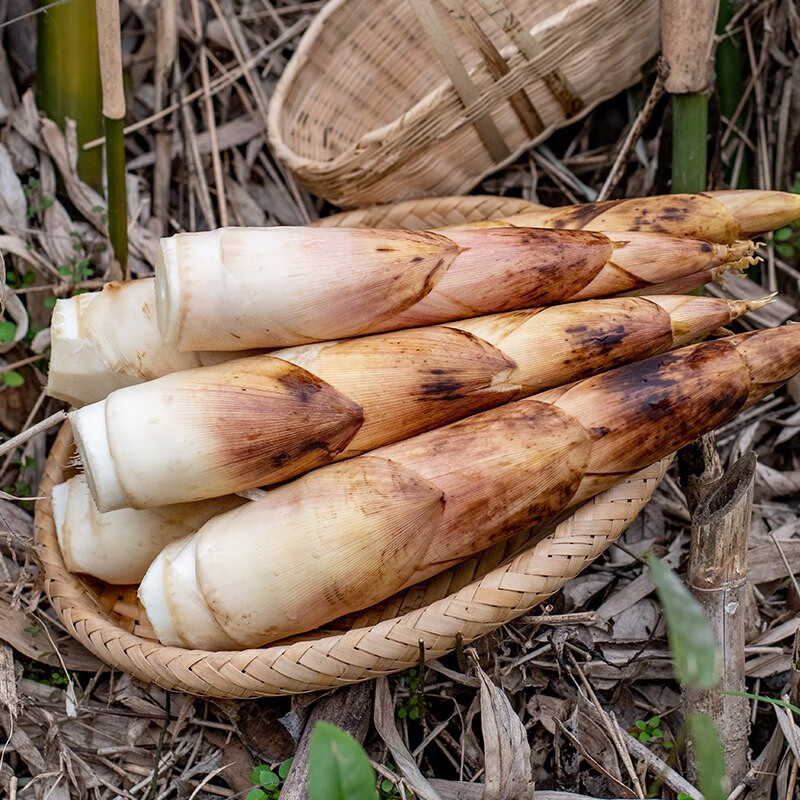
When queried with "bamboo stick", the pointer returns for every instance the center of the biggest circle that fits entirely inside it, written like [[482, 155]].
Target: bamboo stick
[[108, 30], [344, 537], [264, 419], [687, 32], [718, 580]]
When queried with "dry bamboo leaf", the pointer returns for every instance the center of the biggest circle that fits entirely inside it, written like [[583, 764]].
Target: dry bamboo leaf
[[507, 753], [13, 205], [791, 428], [8, 682], [764, 563], [25, 635], [385, 725], [776, 483]]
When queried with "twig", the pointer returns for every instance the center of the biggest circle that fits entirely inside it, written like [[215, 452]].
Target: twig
[[34, 430], [634, 134], [208, 101], [349, 708]]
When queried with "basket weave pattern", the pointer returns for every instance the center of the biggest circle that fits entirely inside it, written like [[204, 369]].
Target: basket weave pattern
[[386, 100], [431, 212], [472, 598]]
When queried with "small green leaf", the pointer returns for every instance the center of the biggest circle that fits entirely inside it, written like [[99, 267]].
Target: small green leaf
[[690, 636], [50, 302], [414, 713], [7, 331], [338, 767], [264, 776], [640, 724], [402, 713], [256, 794], [386, 785], [644, 737], [783, 234], [656, 733], [654, 722], [13, 379], [284, 767], [785, 250], [709, 757]]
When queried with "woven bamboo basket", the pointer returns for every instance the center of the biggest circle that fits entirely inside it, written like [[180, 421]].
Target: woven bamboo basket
[[386, 100], [467, 601]]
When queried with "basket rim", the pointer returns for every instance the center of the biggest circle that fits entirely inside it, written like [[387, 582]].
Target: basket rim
[[427, 106], [297, 668]]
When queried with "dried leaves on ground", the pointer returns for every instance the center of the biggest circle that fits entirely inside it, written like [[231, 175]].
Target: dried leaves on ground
[[580, 697]]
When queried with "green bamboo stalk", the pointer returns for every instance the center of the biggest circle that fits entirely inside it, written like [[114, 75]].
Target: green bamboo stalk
[[689, 142], [687, 33], [110, 50], [68, 77], [117, 197]]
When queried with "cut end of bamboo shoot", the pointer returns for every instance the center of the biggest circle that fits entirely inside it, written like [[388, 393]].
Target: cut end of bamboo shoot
[[91, 439], [153, 597], [174, 604], [168, 289], [77, 370], [757, 211]]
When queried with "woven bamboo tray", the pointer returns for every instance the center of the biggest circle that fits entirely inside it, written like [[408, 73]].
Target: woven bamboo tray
[[391, 99], [470, 599]]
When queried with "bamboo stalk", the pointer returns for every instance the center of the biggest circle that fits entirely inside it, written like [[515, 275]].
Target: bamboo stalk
[[108, 29], [689, 142], [717, 578], [346, 536], [687, 33], [260, 420], [700, 468], [349, 708], [69, 87]]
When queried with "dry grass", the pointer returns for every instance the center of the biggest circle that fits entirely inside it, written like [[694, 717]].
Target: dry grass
[[579, 673]]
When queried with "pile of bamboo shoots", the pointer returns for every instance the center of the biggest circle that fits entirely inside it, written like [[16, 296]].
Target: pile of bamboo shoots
[[287, 425]]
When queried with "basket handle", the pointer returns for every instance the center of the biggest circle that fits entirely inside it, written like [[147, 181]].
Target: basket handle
[[558, 84], [462, 83], [496, 65]]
